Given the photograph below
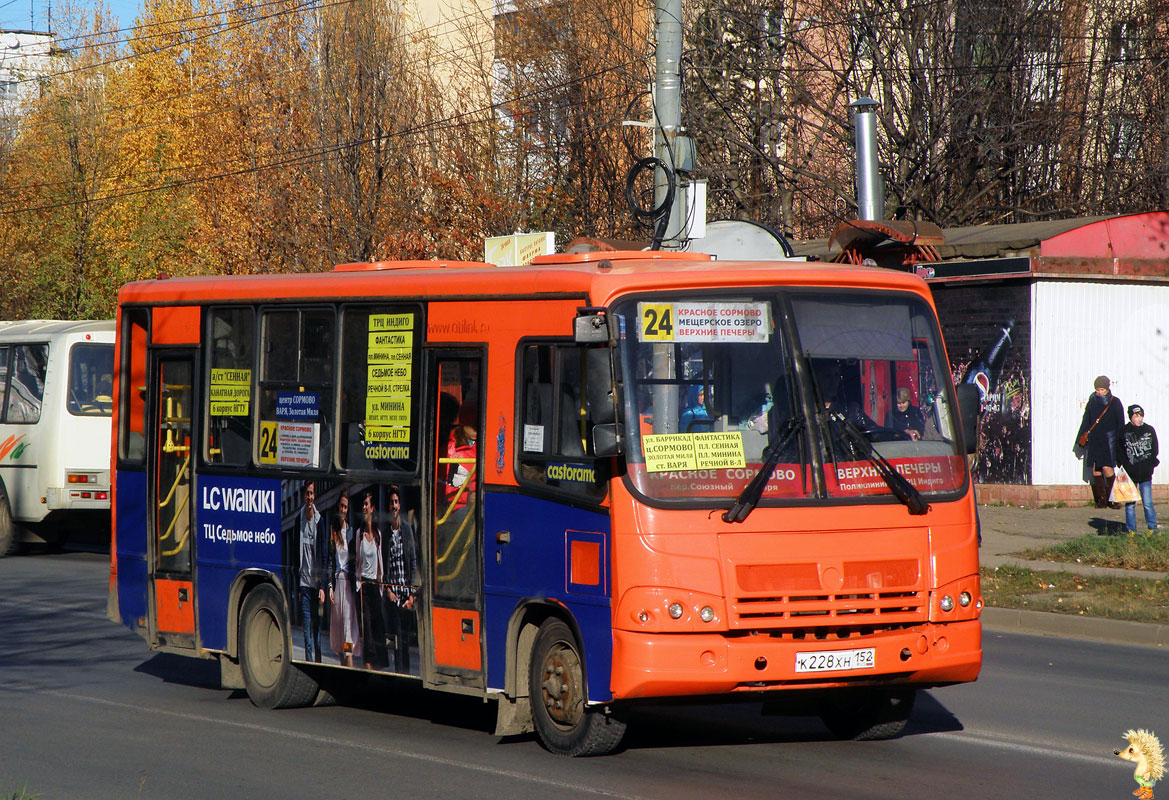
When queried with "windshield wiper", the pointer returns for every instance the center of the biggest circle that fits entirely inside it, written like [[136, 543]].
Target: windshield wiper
[[858, 443], [749, 498]]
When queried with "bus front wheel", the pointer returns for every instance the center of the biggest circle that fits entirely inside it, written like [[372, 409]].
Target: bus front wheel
[[868, 715], [7, 527], [556, 686], [265, 654]]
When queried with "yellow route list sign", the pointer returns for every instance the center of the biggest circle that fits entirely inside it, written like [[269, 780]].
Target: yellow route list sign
[[230, 393], [390, 357], [676, 452]]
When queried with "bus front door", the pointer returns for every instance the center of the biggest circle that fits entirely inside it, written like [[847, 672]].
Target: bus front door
[[455, 599], [173, 591]]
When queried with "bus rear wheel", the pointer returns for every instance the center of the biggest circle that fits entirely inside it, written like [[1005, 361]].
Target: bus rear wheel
[[869, 715], [265, 654], [559, 698]]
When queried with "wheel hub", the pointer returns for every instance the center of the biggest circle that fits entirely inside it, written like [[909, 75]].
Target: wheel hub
[[562, 686]]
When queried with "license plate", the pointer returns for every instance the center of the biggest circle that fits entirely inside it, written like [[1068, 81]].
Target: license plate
[[836, 660]]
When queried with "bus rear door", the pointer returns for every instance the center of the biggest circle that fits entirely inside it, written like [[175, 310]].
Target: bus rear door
[[456, 588]]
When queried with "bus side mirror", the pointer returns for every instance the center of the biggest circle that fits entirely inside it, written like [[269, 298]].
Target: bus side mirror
[[590, 329], [969, 404], [607, 439], [599, 393]]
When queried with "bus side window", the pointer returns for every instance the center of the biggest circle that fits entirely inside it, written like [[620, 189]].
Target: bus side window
[[28, 382], [296, 387], [3, 378], [132, 413], [379, 377], [231, 340], [554, 430]]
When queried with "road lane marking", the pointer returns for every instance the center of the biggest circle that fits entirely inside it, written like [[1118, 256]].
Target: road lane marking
[[317, 739], [1030, 747]]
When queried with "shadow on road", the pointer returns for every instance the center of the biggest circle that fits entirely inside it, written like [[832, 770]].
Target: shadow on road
[[680, 725], [182, 670], [650, 727]]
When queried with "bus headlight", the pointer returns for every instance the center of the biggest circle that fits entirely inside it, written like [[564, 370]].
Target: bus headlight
[[669, 609], [956, 601]]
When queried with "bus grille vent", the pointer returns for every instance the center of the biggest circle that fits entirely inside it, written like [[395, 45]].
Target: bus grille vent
[[828, 609]]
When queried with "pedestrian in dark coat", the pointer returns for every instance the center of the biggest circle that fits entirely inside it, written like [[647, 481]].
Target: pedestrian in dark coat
[[1102, 422]]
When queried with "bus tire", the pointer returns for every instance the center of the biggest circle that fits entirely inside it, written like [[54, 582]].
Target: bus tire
[[564, 723], [265, 654], [868, 715], [8, 529]]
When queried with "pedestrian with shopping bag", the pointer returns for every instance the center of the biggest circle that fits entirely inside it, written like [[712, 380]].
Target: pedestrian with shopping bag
[[1137, 456]]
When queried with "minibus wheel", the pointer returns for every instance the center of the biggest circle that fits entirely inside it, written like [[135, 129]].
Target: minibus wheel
[[7, 528], [563, 721], [265, 654], [868, 715]]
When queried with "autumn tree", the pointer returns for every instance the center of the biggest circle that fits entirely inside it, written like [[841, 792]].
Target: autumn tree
[[570, 74], [991, 111], [56, 191]]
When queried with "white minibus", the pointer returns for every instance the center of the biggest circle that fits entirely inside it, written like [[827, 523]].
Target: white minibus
[[56, 381]]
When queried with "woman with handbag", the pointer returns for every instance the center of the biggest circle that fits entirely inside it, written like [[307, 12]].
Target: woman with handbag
[[1098, 435]]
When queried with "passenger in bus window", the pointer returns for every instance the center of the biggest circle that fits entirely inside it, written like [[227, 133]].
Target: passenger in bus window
[[906, 417], [462, 444], [343, 629], [369, 586], [828, 381], [696, 417], [401, 570], [311, 526]]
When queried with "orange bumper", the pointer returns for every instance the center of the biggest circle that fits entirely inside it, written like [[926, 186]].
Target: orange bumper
[[670, 665]]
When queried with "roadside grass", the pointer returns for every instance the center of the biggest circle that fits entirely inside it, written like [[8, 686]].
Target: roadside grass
[[17, 794], [1139, 599], [1140, 551]]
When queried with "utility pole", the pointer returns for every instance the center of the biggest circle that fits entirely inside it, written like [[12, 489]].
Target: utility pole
[[674, 150]]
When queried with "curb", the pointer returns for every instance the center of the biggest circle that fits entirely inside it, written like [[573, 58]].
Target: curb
[[1046, 623], [995, 561]]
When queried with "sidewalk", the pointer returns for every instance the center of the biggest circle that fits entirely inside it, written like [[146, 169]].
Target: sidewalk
[[1008, 530]]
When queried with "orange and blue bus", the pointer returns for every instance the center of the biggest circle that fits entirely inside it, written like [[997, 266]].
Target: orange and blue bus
[[599, 480]]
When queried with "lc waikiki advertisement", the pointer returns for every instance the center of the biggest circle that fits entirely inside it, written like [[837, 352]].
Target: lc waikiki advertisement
[[351, 552], [347, 554]]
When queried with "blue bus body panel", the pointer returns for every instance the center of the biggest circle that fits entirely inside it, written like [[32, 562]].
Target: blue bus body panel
[[536, 564], [131, 538], [237, 527]]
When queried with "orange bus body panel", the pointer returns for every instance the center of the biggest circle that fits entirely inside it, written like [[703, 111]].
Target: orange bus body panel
[[174, 613], [175, 325], [453, 645]]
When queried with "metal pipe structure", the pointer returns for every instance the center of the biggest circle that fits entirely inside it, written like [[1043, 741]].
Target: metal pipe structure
[[870, 189]]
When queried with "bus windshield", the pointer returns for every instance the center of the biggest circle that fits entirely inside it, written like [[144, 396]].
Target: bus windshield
[[834, 381]]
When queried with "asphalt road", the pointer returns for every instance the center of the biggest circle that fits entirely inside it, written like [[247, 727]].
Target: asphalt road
[[87, 712]]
